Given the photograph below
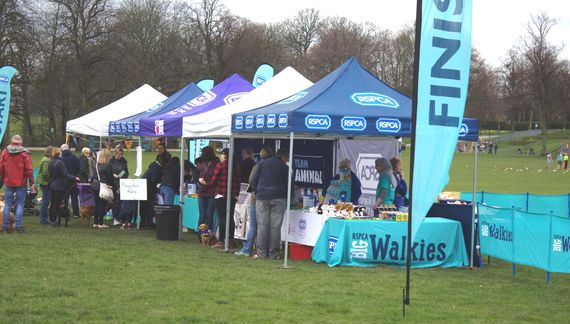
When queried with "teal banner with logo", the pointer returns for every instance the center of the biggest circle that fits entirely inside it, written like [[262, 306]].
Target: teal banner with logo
[[205, 84], [538, 240], [6, 75], [443, 76], [367, 243], [263, 74], [531, 239], [560, 245], [496, 232], [538, 204]]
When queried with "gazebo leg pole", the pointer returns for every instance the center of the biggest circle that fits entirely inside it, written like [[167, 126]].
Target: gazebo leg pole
[[288, 209]]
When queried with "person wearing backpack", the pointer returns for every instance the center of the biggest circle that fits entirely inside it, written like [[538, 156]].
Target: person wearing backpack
[[16, 173]]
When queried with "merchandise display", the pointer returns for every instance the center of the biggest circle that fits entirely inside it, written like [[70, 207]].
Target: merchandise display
[[340, 210]]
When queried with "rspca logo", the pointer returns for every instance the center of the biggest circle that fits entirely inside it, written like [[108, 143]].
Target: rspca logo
[[388, 125], [111, 127], [155, 107], [293, 98], [130, 127], [4, 79], [136, 126], [271, 120], [249, 122], [283, 120], [302, 224], [260, 121], [159, 127], [353, 123], [202, 99], [318, 122], [463, 130], [234, 97], [123, 127], [374, 99], [333, 240], [259, 80], [366, 172], [239, 122]]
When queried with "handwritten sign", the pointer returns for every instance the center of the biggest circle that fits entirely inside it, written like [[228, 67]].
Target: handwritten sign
[[133, 189]]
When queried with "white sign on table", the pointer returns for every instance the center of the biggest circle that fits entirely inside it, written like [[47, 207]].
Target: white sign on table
[[304, 227], [133, 189]]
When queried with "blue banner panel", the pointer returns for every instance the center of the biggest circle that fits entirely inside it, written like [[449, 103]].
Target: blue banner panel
[[532, 232], [468, 196], [367, 243], [496, 232], [443, 76], [555, 205], [6, 75], [560, 245], [516, 201], [538, 240]]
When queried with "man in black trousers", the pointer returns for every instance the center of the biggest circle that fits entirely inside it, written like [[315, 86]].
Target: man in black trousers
[[72, 164]]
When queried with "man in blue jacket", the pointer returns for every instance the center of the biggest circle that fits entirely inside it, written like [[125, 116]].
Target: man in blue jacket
[[270, 186], [73, 165]]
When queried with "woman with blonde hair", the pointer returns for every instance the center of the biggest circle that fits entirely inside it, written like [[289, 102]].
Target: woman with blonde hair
[[103, 174]]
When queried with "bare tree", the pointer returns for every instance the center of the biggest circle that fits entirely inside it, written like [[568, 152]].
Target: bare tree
[[397, 60], [482, 98], [86, 23], [301, 32], [543, 67], [222, 34]]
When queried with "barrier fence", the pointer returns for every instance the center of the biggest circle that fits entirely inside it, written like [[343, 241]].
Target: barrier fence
[[525, 238], [538, 204]]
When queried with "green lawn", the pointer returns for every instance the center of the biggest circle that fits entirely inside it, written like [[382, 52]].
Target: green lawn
[[78, 274]]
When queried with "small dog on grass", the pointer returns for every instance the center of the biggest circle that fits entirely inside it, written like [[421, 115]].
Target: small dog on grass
[[207, 236], [85, 214], [12, 225]]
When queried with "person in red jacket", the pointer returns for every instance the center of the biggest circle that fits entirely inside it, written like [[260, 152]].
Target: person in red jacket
[[16, 172]]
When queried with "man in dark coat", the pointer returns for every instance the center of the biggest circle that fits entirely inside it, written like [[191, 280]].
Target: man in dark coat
[[73, 165]]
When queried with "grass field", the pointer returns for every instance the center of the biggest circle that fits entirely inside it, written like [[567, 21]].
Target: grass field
[[78, 274]]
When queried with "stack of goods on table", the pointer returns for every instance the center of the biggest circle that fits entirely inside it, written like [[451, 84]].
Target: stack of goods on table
[[341, 210], [391, 213]]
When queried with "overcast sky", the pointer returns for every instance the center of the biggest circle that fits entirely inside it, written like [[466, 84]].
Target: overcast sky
[[497, 24]]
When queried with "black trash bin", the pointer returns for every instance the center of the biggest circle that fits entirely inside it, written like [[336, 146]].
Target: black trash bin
[[167, 222]]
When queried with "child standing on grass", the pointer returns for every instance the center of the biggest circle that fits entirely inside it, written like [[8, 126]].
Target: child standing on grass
[[548, 160], [559, 160]]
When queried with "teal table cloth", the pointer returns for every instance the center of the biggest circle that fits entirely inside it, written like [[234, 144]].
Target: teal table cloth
[[367, 243], [190, 212]]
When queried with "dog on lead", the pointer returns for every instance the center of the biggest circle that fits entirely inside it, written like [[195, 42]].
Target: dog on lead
[[207, 236]]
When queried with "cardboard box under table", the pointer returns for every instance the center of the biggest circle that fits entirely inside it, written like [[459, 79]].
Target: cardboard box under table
[[366, 243]]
